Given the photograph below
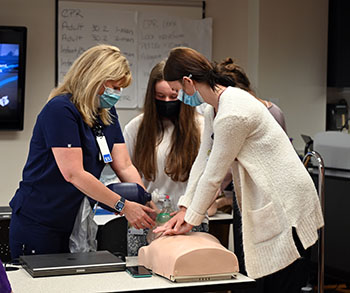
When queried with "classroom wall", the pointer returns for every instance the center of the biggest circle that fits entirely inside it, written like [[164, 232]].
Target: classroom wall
[[293, 62], [39, 17], [283, 47], [281, 44]]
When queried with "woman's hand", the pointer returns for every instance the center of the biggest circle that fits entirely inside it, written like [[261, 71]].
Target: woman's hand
[[176, 225], [137, 215]]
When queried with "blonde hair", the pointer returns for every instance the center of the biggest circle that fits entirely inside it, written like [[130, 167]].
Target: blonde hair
[[87, 75]]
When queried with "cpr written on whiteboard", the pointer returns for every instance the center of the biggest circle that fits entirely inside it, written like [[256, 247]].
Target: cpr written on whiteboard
[[144, 38]]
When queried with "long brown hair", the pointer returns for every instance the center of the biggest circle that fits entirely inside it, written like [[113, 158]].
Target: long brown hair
[[185, 139]]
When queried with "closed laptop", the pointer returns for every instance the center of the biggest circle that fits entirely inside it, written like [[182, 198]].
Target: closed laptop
[[43, 265]]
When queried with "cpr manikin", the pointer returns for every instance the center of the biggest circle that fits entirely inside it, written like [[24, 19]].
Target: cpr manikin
[[193, 254]]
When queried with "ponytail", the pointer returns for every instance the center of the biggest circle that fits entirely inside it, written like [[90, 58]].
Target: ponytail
[[216, 77], [231, 74]]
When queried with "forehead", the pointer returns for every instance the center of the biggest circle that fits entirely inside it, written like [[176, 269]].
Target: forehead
[[175, 85], [163, 87], [113, 83]]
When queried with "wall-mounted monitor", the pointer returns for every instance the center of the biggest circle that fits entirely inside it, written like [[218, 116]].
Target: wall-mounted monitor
[[13, 41]]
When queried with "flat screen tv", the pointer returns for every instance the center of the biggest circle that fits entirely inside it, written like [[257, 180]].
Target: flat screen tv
[[12, 76]]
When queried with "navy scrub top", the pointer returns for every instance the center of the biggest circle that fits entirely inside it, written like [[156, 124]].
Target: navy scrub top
[[43, 194]]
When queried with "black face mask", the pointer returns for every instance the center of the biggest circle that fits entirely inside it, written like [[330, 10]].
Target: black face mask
[[170, 109]]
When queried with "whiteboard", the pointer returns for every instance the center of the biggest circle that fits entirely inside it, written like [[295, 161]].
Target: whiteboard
[[144, 37]]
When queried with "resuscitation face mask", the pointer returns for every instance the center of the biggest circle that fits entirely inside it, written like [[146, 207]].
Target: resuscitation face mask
[[193, 100], [168, 109], [109, 97]]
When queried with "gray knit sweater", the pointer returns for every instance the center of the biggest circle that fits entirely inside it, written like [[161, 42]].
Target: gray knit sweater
[[273, 188]]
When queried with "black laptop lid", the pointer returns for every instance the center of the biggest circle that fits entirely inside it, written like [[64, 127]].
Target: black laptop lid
[[42, 265]]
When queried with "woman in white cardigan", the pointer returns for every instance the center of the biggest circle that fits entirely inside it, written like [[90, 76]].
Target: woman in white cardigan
[[274, 190]]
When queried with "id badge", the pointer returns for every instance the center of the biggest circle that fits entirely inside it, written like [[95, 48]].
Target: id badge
[[104, 151]]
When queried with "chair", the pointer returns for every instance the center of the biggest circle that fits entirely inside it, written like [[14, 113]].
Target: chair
[[321, 176], [113, 236]]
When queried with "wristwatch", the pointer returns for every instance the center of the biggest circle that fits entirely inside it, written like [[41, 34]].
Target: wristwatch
[[119, 206]]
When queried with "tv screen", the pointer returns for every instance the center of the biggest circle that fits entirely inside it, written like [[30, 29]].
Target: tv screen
[[12, 76]]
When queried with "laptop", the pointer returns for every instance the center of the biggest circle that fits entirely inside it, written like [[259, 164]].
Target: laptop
[[5, 212], [44, 265]]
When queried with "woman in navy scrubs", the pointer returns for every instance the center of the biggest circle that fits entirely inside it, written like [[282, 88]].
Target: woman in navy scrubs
[[65, 160]]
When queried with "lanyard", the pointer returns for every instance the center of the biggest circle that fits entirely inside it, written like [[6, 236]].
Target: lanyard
[[102, 144]]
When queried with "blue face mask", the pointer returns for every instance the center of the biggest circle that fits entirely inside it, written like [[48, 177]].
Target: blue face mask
[[193, 101], [109, 98]]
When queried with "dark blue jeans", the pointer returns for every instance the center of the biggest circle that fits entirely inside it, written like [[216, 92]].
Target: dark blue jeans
[[29, 237]]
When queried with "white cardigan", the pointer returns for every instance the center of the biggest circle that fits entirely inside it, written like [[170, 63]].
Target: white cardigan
[[273, 188]]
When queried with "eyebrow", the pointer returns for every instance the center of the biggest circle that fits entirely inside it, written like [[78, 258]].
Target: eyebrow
[[163, 94]]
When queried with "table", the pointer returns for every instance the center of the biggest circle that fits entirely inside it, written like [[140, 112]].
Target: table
[[221, 217], [22, 282]]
